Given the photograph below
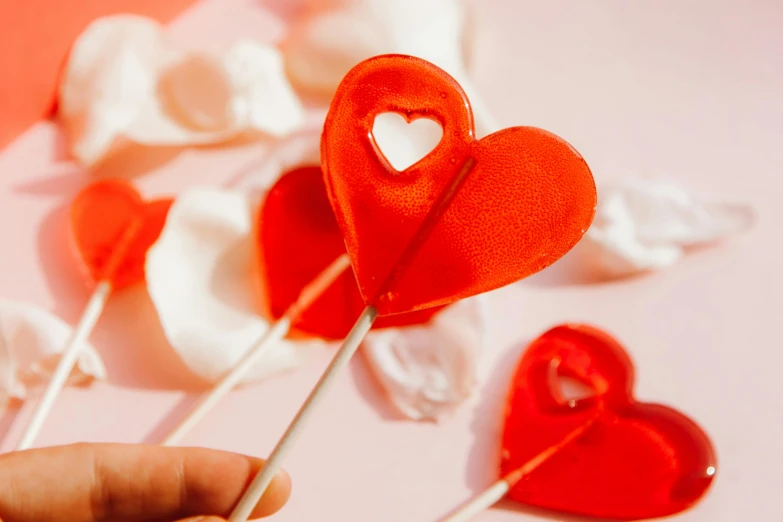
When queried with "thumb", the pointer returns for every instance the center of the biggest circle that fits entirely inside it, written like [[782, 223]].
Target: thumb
[[202, 519]]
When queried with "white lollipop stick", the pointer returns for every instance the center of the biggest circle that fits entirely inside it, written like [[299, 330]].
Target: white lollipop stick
[[351, 343], [257, 488], [498, 490], [276, 332], [67, 361], [84, 328], [484, 500]]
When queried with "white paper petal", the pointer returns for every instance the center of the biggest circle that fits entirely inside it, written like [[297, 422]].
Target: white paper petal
[[201, 275], [31, 340], [262, 90], [645, 224], [429, 370], [333, 36], [125, 79]]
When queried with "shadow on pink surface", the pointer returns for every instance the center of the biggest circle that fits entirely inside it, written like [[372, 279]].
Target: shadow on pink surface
[[483, 462], [575, 268], [131, 342], [570, 270], [133, 161], [508, 505], [7, 419], [172, 419], [371, 391]]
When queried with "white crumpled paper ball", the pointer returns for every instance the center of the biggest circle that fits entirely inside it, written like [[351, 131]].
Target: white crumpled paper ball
[[645, 224], [332, 36], [125, 80]]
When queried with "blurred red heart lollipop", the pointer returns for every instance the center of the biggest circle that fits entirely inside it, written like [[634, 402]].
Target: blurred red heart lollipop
[[471, 216], [112, 228], [299, 237], [527, 201], [605, 455]]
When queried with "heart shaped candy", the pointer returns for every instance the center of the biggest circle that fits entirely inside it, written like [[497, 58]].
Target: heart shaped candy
[[632, 461], [299, 238], [113, 227], [528, 199]]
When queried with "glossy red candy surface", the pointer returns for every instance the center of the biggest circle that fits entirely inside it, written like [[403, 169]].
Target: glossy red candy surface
[[528, 199], [299, 238], [629, 461], [113, 228]]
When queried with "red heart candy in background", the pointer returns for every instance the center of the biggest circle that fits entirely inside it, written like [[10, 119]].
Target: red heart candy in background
[[113, 228], [632, 461], [528, 200], [299, 237]]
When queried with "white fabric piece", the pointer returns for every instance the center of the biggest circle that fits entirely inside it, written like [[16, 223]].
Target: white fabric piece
[[644, 224], [429, 370], [202, 277], [125, 80], [31, 341], [332, 36]]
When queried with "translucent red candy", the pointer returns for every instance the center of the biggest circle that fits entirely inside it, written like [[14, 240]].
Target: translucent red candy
[[113, 228], [632, 461], [299, 238], [527, 201]]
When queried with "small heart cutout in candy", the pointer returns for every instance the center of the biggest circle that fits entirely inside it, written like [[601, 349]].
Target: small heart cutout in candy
[[528, 199], [113, 228], [299, 237], [629, 461], [402, 143]]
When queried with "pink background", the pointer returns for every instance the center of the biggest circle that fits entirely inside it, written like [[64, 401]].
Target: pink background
[[688, 90]]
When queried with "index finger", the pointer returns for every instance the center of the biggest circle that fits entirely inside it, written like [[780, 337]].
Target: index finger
[[121, 482]]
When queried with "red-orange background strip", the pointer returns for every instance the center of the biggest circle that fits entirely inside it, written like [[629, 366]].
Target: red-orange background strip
[[35, 37]]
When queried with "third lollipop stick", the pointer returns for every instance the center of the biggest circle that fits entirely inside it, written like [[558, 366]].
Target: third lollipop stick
[[72, 350], [276, 333], [90, 315], [351, 343]]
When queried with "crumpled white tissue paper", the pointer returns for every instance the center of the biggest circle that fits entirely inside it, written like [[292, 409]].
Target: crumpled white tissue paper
[[646, 224], [126, 81], [334, 35], [31, 340], [201, 276], [429, 370]]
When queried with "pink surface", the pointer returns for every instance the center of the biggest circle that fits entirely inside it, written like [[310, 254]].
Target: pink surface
[[690, 91]]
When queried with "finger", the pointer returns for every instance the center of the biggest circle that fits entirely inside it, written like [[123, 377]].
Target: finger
[[202, 519], [119, 482]]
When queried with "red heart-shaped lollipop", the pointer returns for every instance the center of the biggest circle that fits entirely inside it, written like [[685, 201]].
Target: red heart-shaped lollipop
[[299, 238], [113, 228], [632, 461], [527, 201]]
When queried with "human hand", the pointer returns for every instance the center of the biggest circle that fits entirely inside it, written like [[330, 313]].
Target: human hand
[[129, 483]]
